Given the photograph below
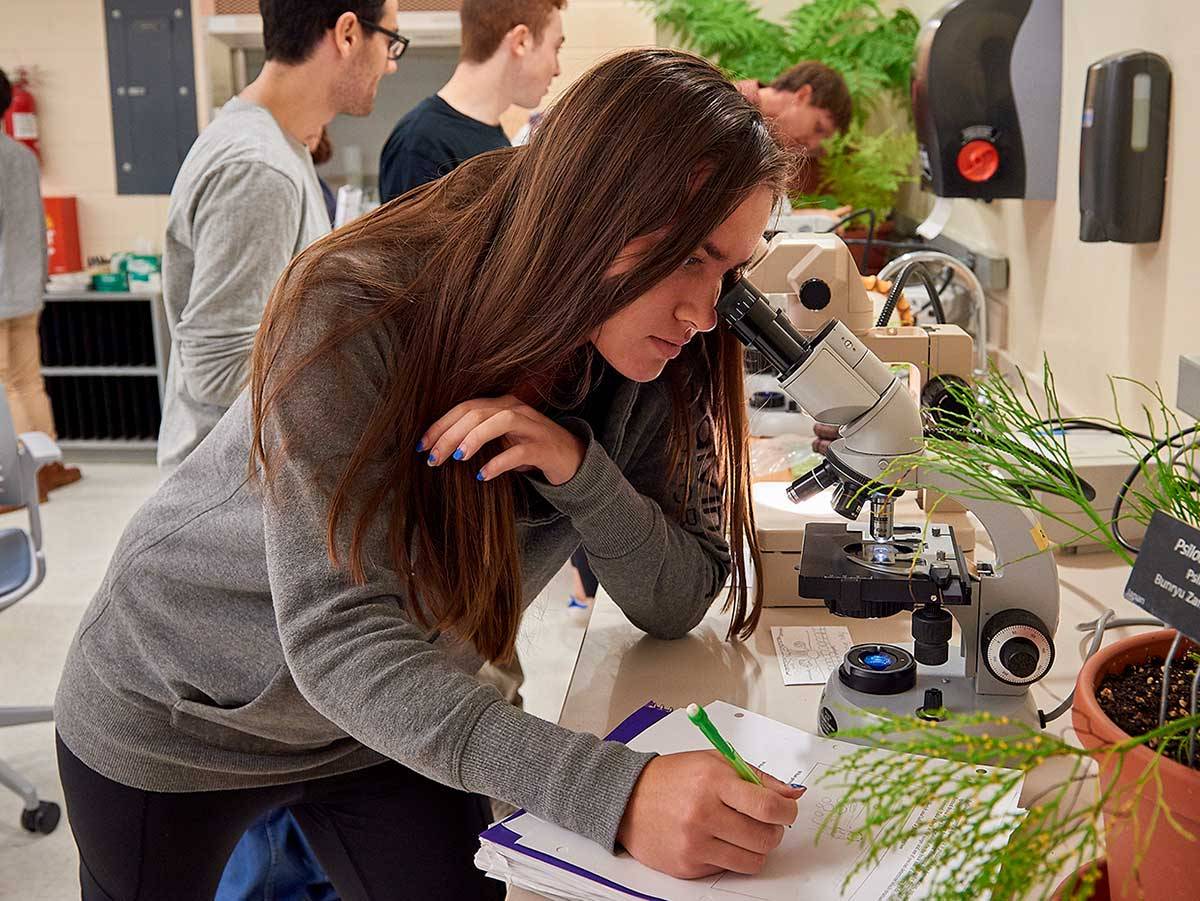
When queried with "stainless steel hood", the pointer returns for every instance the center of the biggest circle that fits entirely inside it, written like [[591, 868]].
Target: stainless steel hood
[[424, 29]]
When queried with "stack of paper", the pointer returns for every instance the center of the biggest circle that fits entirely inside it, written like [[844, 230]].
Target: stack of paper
[[530, 853]]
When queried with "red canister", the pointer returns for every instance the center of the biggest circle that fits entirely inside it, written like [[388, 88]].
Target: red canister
[[62, 235]]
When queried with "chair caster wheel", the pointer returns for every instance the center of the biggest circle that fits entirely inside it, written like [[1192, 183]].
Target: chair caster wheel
[[42, 820]]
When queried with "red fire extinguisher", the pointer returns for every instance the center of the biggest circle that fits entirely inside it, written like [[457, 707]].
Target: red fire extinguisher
[[20, 120]]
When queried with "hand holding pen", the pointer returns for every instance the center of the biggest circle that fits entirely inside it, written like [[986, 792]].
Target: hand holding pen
[[693, 815]]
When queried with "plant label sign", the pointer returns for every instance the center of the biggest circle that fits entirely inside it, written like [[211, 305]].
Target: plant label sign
[[1166, 577]]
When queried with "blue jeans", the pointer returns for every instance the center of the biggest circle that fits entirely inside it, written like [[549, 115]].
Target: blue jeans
[[274, 862]]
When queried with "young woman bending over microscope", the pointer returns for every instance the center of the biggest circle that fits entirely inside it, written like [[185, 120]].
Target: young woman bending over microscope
[[447, 397]]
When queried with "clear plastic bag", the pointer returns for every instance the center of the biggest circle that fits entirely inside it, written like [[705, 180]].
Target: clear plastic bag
[[782, 457]]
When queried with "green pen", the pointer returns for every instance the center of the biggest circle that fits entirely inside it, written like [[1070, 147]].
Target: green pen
[[697, 715]]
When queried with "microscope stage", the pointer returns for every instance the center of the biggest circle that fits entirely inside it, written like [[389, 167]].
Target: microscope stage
[[862, 577]]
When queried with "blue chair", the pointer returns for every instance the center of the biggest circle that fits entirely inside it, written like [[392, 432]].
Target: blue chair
[[22, 569]]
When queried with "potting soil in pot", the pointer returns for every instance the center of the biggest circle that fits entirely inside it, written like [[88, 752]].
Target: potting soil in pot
[[1131, 699]]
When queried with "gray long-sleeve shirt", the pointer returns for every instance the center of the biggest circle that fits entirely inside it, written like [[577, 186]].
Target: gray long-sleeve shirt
[[223, 649], [246, 201], [22, 231]]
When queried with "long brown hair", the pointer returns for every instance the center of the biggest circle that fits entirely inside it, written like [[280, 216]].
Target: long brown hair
[[494, 277]]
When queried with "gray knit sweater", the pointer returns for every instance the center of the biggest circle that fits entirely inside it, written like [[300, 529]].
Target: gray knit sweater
[[22, 231], [245, 202], [223, 650]]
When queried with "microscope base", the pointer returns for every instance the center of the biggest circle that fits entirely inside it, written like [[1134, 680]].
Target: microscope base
[[843, 708]]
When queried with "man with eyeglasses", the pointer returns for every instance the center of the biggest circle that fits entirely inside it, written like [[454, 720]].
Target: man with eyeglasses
[[509, 56], [247, 200]]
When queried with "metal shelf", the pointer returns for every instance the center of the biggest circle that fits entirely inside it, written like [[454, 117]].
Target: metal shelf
[[425, 28], [100, 370], [102, 400], [53, 296], [107, 444]]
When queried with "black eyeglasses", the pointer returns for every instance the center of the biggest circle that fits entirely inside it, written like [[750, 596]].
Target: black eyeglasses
[[397, 43]]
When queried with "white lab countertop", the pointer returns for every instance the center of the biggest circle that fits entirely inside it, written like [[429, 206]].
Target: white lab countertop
[[620, 668]]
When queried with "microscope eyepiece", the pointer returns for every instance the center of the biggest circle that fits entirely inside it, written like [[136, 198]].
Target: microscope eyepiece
[[759, 325]]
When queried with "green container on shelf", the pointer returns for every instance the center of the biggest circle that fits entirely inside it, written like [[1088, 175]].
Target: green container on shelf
[[110, 281]]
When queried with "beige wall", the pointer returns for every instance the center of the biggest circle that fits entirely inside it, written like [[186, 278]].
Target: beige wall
[[596, 28], [593, 29], [1102, 308], [64, 41]]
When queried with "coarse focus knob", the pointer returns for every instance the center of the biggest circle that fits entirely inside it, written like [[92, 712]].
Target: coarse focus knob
[[1017, 648]]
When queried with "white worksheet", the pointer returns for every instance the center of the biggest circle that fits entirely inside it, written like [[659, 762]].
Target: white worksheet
[[800, 869], [809, 655]]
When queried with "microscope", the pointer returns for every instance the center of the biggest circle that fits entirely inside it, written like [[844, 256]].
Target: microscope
[[807, 277], [1007, 611]]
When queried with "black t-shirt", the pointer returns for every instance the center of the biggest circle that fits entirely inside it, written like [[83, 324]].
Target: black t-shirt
[[431, 139]]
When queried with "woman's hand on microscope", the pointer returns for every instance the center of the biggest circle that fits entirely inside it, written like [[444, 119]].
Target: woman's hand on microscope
[[690, 815], [528, 439]]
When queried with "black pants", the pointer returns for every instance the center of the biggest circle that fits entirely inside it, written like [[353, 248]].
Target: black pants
[[381, 833], [588, 578]]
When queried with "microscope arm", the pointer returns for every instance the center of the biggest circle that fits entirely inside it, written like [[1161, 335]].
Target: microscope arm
[[1008, 628], [1018, 594]]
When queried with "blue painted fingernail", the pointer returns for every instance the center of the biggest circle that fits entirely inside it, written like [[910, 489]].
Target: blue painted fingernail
[[479, 477], [421, 446], [432, 458], [458, 454]]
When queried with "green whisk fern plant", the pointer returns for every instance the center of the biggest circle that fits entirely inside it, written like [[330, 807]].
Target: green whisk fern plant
[[973, 803], [1000, 444]]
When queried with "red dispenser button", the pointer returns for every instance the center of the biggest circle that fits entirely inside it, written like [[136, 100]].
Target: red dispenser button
[[978, 160]]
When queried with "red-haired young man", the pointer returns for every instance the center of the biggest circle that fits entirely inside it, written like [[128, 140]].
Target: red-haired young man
[[509, 57]]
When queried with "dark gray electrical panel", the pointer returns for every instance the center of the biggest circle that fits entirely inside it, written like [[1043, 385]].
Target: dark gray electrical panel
[[152, 86]]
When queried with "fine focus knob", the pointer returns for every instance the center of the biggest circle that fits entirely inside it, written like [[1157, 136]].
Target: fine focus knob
[[1020, 657], [815, 294]]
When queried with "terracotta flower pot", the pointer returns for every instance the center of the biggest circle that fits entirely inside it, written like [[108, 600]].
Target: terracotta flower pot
[[1099, 888], [1169, 867]]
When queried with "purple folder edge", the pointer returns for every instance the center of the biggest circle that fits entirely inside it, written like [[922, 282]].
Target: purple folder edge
[[632, 726]]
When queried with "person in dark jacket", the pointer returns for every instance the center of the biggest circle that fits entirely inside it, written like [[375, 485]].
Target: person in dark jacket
[[509, 56]]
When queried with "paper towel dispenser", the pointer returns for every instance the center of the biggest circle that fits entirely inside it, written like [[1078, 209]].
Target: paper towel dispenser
[[986, 96], [1123, 148]]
